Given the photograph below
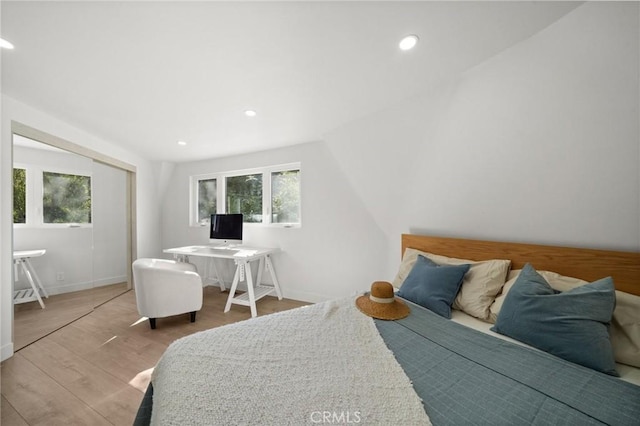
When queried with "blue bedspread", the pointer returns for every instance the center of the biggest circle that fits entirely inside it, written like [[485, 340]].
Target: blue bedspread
[[465, 377], [469, 378]]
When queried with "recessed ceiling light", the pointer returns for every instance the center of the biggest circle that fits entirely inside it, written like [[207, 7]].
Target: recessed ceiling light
[[5, 44], [408, 42], [250, 113], [182, 143]]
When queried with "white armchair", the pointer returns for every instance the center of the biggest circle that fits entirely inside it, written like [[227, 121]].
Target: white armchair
[[165, 288]]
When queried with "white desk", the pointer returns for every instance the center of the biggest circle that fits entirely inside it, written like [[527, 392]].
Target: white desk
[[242, 256], [21, 259]]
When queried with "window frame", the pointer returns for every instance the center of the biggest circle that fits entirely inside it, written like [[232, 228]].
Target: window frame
[[221, 188], [269, 198], [194, 198], [34, 212], [243, 173]]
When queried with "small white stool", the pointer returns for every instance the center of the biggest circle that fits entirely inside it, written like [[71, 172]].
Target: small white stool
[[21, 259]]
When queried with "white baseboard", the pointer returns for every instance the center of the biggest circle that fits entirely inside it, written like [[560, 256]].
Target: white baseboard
[[68, 288], [6, 351], [109, 281], [241, 286], [303, 296]]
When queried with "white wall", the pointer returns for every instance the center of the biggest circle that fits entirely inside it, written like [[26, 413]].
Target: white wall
[[538, 144], [333, 254], [148, 200]]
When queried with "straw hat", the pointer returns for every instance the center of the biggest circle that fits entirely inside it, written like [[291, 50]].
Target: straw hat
[[380, 303]]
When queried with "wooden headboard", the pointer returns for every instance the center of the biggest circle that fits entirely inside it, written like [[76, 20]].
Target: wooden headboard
[[586, 264]]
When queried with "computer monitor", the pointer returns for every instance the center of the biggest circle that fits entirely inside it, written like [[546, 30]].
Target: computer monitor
[[226, 229]]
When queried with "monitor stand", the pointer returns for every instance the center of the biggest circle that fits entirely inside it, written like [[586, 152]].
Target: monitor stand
[[225, 244]]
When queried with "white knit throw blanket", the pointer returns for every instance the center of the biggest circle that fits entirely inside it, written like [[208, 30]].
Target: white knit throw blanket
[[323, 363]]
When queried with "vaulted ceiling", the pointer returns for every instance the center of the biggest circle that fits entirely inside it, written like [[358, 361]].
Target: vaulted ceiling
[[146, 75]]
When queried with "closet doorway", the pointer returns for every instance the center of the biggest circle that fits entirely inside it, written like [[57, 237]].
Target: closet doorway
[[78, 206]]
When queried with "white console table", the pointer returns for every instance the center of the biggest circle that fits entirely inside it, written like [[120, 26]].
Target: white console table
[[242, 256]]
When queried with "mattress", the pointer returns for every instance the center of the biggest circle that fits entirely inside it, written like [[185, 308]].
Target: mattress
[[468, 377]]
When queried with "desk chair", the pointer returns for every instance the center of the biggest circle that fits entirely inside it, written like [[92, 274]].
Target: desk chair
[[166, 288]]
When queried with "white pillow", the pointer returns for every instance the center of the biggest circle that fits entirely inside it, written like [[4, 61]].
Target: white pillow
[[479, 287], [625, 324], [625, 329]]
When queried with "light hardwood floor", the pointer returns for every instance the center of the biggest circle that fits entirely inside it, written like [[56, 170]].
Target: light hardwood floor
[[30, 322], [95, 370]]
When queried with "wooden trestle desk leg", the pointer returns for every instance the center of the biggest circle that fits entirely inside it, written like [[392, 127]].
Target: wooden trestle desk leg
[[36, 277], [250, 290], [272, 271], [27, 268], [216, 277], [243, 273], [232, 291]]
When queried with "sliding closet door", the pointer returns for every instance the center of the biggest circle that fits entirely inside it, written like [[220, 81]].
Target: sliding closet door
[[79, 206], [53, 203], [110, 253]]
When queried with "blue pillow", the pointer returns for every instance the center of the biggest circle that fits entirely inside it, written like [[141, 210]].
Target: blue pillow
[[433, 286], [573, 325]]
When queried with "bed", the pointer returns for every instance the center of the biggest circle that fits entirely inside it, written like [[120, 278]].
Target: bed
[[328, 363]]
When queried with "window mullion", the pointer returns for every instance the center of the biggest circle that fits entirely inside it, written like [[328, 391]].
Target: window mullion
[[266, 197], [35, 198], [222, 194], [194, 185]]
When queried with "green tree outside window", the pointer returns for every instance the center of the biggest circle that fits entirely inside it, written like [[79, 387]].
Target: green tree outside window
[[207, 199], [19, 196], [244, 195], [66, 198], [285, 197]]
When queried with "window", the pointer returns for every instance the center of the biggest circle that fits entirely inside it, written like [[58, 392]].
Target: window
[[66, 198], [19, 196], [285, 196], [207, 198], [244, 195], [49, 198], [269, 195]]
